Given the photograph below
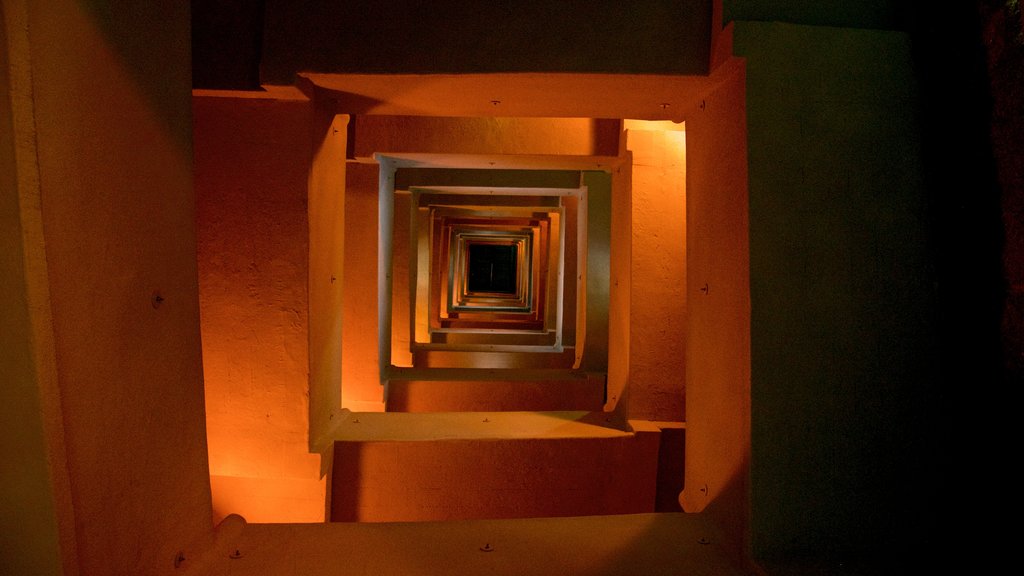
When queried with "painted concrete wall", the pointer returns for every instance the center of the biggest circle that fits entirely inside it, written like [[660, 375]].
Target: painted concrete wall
[[252, 161], [112, 119], [842, 327], [658, 273]]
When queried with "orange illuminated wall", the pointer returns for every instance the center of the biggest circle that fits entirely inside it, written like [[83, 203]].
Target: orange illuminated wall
[[657, 348], [361, 388], [718, 315], [252, 158]]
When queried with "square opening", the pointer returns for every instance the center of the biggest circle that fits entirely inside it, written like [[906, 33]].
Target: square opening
[[493, 268]]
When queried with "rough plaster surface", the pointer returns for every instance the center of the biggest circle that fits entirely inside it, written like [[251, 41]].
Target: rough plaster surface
[[252, 162], [658, 283]]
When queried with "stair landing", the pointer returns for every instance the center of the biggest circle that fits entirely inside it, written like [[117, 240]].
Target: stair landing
[[480, 389], [397, 467]]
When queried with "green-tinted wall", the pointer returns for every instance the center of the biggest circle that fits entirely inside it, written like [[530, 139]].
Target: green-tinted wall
[[872, 14], [841, 291]]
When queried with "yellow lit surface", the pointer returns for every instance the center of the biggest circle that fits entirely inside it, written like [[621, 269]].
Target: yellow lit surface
[[375, 426]]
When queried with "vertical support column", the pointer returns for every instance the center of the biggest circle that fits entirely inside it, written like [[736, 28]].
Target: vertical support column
[[37, 529], [385, 226], [717, 454], [597, 269], [326, 262], [620, 285], [360, 371]]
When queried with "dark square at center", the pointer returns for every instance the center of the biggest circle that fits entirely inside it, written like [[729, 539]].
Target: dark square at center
[[492, 268]]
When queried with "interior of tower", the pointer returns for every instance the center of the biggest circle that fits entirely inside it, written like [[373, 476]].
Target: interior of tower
[[665, 287]]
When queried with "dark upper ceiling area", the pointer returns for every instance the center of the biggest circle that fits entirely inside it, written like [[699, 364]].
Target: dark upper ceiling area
[[241, 44]]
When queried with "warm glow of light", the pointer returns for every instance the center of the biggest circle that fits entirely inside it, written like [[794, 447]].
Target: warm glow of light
[[255, 349], [654, 125], [268, 500]]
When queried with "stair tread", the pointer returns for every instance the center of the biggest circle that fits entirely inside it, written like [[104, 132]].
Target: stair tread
[[489, 374], [427, 426]]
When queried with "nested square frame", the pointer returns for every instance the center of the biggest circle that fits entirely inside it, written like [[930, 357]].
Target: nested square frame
[[460, 295], [452, 231], [445, 313]]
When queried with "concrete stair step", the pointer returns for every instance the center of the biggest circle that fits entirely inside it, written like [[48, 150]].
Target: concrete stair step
[[481, 390], [458, 466]]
